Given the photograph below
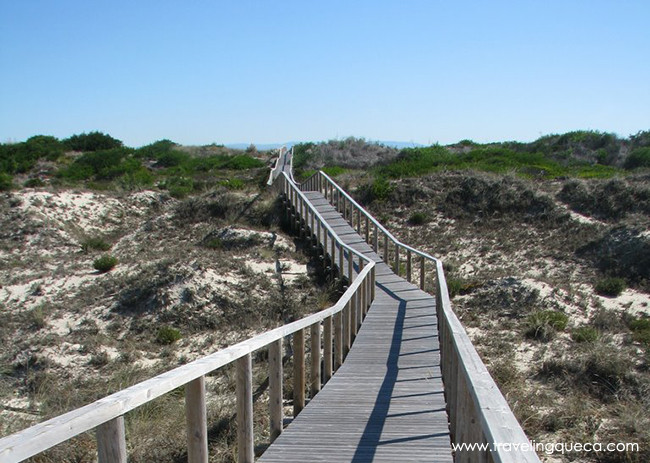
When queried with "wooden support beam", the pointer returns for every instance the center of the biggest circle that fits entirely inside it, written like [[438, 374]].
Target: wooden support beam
[[350, 267], [327, 349], [298, 371], [111, 441], [396, 259], [196, 417], [245, 448], [422, 273], [408, 265], [275, 388], [315, 359], [345, 315], [338, 340], [367, 229]]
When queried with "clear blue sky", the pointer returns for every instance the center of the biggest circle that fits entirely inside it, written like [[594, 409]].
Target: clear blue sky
[[272, 71]]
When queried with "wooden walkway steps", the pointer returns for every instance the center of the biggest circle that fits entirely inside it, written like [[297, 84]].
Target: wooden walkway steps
[[386, 402]]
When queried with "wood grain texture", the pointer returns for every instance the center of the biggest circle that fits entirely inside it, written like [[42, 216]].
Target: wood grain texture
[[245, 448], [196, 417], [111, 441]]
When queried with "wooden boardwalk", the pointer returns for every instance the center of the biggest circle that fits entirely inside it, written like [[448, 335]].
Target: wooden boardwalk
[[386, 402]]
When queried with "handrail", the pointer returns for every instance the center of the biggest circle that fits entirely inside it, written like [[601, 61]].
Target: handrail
[[273, 174], [478, 411], [370, 216], [341, 321]]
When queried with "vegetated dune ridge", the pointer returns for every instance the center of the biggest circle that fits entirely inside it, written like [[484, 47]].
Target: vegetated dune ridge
[[549, 273], [194, 274], [72, 335]]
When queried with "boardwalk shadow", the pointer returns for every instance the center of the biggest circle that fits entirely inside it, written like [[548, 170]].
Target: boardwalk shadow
[[371, 439]]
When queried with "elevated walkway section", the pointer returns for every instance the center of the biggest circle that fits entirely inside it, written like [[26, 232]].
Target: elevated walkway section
[[386, 402]]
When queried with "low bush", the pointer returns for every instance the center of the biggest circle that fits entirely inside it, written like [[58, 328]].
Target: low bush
[[233, 184], [418, 218], [457, 286], [167, 335], [640, 330], [640, 157], [543, 325], [333, 171], [33, 183], [584, 334], [380, 189], [6, 182], [92, 141], [94, 244], [610, 287], [179, 187], [105, 263]]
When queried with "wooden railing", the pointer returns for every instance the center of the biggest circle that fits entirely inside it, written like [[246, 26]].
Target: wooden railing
[[478, 412], [339, 326]]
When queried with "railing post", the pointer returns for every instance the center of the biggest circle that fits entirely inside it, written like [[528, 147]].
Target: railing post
[[111, 441], [362, 308], [338, 340], [346, 328], [245, 450], [275, 388], [341, 267], [386, 249], [318, 240], [375, 239], [327, 349], [298, 371], [315, 358], [303, 218], [408, 265], [362, 312], [359, 221], [422, 273], [354, 311], [397, 259], [350, 266], [312, 231], [196, 416], [333, 254], [372, 284], [367, 228]]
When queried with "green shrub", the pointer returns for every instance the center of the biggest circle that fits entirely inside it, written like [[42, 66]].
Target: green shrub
[[640, 157], [6, 182], [102, 165], [610, 287], [584, 334], [640, 330], [458, 286], [105, 263], [333, 171], [302, 153], [214, 243], [380, 189], [242, 162], [167, 335], [155, 149], [171, 158], [179, 187], [418, 218], [543, 325], [94, 244], [33, 183], [93, 141], [233, 184]]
